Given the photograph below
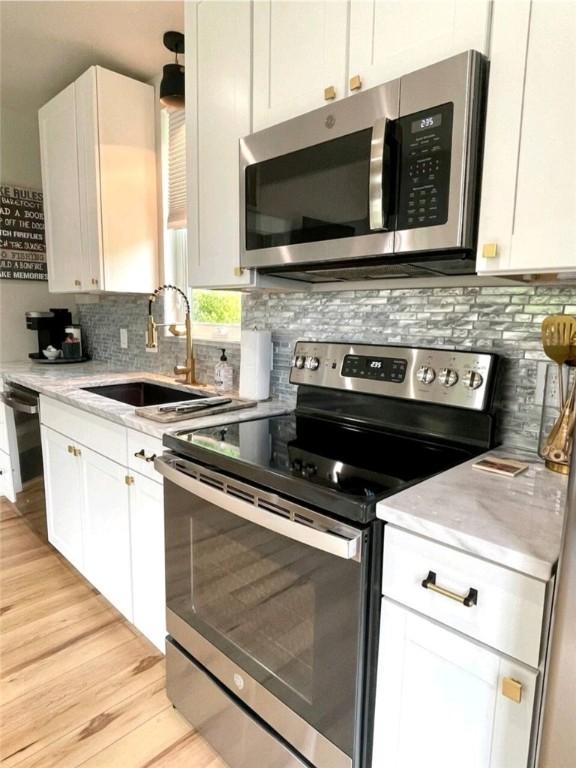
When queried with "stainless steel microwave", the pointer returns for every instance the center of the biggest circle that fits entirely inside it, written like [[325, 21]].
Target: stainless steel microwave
[[381, 184]]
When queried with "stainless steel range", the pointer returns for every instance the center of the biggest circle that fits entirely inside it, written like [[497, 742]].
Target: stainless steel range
[[274, 552]]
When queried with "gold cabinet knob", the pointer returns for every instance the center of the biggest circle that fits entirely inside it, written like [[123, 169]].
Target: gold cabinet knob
[[512, 689], [490, 251], [71, 449], [77, 282], [238, 271], [355, 83], [94, 281], [329, 93], [129, 480], [77, 452]]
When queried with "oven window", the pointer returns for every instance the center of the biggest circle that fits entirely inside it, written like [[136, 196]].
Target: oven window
[[316, 193], [288, 614]]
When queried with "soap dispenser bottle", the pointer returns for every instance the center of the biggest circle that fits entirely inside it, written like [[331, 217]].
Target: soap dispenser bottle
[[223, 374]]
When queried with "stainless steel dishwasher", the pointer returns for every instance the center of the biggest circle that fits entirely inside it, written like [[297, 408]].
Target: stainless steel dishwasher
[[23, 405]]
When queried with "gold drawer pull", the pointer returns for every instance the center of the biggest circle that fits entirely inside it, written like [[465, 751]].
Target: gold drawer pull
[[512, 689], [329, 93], [142, 455], [355, 83], [467, 600], [78, 282]]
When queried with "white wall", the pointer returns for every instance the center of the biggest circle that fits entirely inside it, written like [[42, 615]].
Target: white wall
[[20, 165]]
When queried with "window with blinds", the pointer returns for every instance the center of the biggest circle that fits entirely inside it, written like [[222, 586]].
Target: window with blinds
[[176, 169]]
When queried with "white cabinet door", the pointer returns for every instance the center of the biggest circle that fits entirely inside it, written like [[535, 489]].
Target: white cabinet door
[[439, 700], [106, 526], [389, 38], [59, 153], [147, 537], [127, 185], [299, 51], [217, 116], [528, 208], [89, 179], [64, 496]]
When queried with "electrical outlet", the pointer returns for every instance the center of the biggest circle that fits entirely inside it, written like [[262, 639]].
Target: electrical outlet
[[123, 338]]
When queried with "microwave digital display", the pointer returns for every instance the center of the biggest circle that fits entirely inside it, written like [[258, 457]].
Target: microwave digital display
[[427, 122]]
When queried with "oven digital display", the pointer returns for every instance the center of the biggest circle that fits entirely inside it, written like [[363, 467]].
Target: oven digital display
[[378, 368], [426, 122]]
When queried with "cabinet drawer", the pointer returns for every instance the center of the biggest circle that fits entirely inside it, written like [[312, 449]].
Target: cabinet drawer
[[141, 450], [103, 436], [506, 613]]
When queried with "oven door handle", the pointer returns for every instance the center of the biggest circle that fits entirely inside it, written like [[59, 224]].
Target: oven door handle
[[18, 405], [348, 548], [377, 201]]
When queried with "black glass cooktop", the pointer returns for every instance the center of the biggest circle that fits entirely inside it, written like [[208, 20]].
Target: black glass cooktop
[[331, 464]]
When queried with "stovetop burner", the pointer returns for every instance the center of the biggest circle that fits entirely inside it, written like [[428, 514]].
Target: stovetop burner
[[307, 457], [344, 449]]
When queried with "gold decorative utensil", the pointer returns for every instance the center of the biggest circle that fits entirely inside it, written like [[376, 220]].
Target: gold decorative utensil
[[558, 446], [557, 333]]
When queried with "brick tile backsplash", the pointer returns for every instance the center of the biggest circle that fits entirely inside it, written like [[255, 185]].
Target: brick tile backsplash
[[505, 320], [101, 325]]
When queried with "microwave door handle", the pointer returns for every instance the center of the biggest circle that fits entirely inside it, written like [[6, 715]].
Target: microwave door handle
[[376, 182], [334, 544]]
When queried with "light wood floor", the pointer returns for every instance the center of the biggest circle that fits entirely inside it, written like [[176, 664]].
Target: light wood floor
[[78, 684]]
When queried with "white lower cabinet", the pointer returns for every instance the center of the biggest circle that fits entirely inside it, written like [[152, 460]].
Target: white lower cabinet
[[147, 556], [441, 699], [106, 519], [64, 495], [106, 529]]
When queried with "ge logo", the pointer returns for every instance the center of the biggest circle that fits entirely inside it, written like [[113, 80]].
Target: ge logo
[[330, 121]]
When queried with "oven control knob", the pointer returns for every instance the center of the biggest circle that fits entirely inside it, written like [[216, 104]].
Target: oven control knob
[[448, 377], [299, 361], [312, 363], [472, 379], [426, 374]]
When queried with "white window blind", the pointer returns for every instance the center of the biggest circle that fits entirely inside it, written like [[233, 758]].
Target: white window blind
[[176, 169]]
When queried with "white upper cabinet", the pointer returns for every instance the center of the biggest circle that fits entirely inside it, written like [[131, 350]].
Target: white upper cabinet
[[299, 57], [218, 115], [389, 38], [528, 210], [99, 180], [61, 188]]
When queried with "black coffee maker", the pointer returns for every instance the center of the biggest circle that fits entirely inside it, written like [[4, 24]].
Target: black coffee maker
[[50, 328]]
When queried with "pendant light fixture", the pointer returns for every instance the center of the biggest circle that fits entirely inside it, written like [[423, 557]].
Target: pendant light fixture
[[172, 85]]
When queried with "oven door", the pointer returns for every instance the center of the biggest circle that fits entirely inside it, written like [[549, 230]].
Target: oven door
[[320, 187], [270, 598]]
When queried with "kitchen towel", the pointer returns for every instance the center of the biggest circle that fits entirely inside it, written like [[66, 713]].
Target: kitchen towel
[[255, 364]]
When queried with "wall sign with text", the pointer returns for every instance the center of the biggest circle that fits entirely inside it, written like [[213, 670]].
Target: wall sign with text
[[22, 239]]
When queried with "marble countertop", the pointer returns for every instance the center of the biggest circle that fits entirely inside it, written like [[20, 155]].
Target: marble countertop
[[65, 382], [516, 522]]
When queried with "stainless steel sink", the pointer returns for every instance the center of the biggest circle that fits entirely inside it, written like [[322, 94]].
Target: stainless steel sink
[[143, 393]]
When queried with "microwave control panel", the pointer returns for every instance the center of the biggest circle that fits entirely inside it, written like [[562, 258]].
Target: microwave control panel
[[425, 140]]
